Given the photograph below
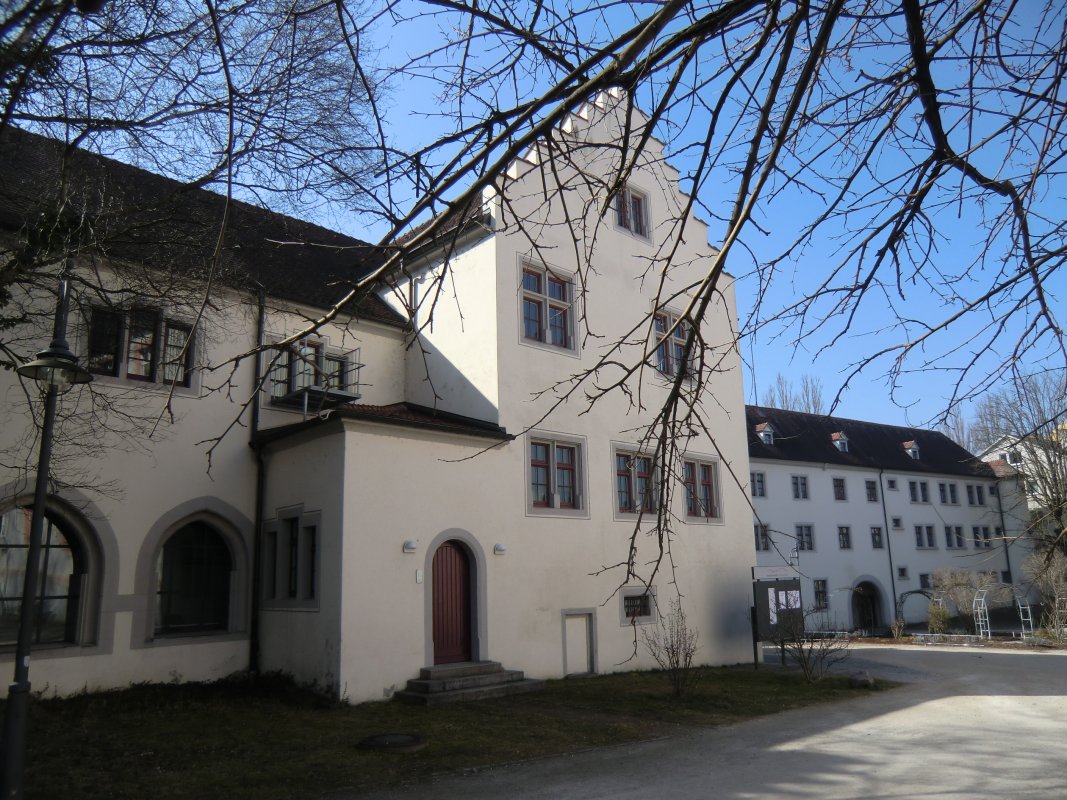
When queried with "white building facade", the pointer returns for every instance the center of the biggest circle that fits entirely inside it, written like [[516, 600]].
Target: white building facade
[[399, 492], [868, 512]]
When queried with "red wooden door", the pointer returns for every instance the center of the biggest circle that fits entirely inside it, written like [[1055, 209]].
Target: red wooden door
[[451, 604]]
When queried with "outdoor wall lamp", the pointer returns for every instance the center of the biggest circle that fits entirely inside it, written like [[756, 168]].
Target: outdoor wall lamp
[[499, 549], [55, 370], [410, 546]]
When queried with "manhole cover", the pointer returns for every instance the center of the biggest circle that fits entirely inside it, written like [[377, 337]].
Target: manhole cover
[[393, 742]]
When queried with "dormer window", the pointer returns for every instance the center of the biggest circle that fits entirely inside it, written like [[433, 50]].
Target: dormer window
[[766, 433], [840, 441], [912, 449]]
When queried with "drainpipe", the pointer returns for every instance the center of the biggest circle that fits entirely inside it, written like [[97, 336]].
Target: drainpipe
[[261, 479], [888, 543], [1004, 532]]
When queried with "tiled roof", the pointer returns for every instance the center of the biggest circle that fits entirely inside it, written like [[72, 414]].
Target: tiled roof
[[810, 438], [140, 217], [1002, 469], [408, 415]]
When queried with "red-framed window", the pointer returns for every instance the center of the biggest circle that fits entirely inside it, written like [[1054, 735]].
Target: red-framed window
[[635, 483], [547, 303], [555, 478], [140, 344], [671, 335], [701, 481]]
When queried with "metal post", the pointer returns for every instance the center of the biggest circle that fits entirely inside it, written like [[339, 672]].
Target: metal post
[[19, 691]]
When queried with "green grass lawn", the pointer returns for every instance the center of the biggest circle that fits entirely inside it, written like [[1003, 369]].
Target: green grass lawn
[[264, 738]]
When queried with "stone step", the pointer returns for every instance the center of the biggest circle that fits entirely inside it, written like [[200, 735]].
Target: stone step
[[428, 686], [477, 693], [460, 670]]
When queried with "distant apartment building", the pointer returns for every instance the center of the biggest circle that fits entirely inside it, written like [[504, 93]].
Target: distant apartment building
[[867, 513]]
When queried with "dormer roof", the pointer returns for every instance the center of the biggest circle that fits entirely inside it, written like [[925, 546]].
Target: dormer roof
[[813, 438]]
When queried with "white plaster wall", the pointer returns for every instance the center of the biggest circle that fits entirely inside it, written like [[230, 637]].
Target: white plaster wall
[[442, 483], [844, 569], [300, 641], [453, 364], [136, 455]]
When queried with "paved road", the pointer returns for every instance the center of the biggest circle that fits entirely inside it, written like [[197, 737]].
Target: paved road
[[972, 724]]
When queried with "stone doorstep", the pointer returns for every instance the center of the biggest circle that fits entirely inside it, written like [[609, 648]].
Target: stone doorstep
[[478, 693], [464, 682], [460, 670]]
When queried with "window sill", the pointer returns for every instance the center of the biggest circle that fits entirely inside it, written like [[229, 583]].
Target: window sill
[[703, 520], [205, 637], [571, 352], [560, 513], [155, 387]]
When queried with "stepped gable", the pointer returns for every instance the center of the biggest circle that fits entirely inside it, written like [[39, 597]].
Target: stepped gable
[[810, 438], [136, 216]]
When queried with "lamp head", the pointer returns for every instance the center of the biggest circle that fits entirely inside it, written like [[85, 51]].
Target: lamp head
[[56, 367]]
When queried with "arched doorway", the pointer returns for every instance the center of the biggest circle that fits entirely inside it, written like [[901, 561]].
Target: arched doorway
[[451, 604], [866, 606]]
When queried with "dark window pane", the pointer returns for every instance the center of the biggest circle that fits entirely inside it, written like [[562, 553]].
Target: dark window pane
[[141, 346], [105, 336], [193, 574]]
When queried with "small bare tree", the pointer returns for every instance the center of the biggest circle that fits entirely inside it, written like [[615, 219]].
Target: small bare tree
[[1027, 420], [959, 587], [673, 645], [808, 640], [807, 398]]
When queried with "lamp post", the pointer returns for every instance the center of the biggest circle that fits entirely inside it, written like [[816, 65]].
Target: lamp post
[[55, 370]]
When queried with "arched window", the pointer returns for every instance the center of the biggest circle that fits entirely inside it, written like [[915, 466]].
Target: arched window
[[62, 572], [193, 581]]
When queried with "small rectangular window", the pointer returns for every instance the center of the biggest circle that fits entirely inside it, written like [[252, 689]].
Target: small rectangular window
[[872, 491], [924, 580], [701, 481], [547, 304], [310, 561], [637, 605], [758, 482], [844, 537], [635, 483], [141, 352], [876, 537], [800, 487], [805, 537], [821, 594], [953, 537], [763, 537], [631, 211], [177, 353], [839, 488], [105, 340], [898, 522], [293, 556], [555, 475], [891, 483], [672, 334], [902, 573]]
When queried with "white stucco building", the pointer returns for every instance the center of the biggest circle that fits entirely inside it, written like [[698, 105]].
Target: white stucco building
[[868, 513], [444, 508]]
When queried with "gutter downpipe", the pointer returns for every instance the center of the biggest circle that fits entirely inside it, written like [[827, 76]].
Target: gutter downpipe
[[261, 480], [888, 544]]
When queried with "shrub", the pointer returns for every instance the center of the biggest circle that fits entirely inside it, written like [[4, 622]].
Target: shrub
[[673, 644]]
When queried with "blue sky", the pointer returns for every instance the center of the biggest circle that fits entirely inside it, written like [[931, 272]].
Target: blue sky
[[919, 396]]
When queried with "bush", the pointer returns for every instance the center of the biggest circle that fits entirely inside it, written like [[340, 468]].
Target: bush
[[673, 644], [937, 618]]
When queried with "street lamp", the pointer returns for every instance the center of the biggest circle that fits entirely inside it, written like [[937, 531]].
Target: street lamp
[[56, 370]]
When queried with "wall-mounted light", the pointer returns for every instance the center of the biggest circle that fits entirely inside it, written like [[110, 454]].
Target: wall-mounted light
[[410, 545], [499, 549]]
